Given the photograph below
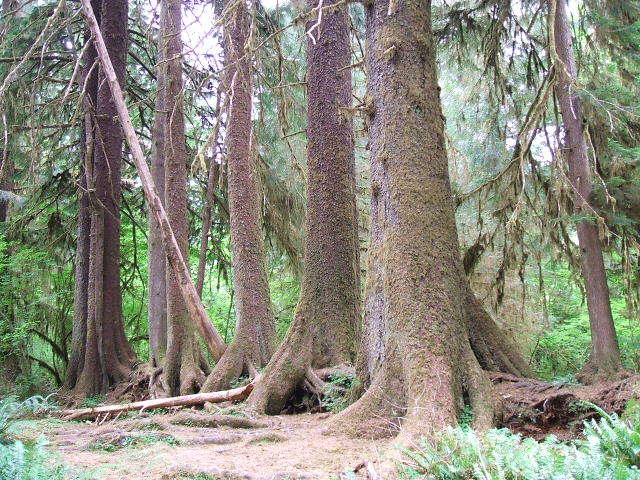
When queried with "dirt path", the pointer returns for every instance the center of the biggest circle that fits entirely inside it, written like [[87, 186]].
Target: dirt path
[[276, 448]]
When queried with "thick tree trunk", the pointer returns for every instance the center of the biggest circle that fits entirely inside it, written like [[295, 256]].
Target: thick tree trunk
[[426, 370], [112, 358], [157, 257], [182, 367], [175, 258], [605, 353], [254, 338], [323, 331], [89, 84]]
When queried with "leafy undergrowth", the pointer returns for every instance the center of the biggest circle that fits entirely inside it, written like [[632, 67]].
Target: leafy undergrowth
[[610, 450], [26, 460]]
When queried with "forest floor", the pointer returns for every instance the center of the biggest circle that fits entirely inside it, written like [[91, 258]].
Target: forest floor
[[152, 447], [231, 444]]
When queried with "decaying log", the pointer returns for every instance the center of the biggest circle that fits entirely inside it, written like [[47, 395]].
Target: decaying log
[[214, 342], [234, 394]]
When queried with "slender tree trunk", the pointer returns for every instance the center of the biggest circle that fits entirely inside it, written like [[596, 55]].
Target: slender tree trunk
[[426, 370], [79, 329], [605, 353], [182, 368], [212, 184], [108, 356], [254, 338], [323, 330], [157, 256]]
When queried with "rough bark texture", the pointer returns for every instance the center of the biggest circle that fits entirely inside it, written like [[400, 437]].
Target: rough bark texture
[[182, 368], [212, 184], [323, 331], [108, 357], [254, 338], [157, 257], [79, 329], [214, 342], [495, 349], [89, 84], [426, 370], [605, 353]]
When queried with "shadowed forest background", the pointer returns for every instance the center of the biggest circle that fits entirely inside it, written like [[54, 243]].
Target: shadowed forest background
[[416, 220]]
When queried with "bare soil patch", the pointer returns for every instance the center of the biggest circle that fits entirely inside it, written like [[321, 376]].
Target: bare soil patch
[[193, 445]]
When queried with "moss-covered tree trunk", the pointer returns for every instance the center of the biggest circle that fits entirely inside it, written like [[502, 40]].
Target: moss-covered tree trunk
[[323, 331], [418, 313], [89, 84], [605, 353], [183, 367], [108, 356], [253, 342], [210, 196], [157, 256]]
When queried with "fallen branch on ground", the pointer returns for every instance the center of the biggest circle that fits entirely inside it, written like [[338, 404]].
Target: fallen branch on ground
[[234, 394]]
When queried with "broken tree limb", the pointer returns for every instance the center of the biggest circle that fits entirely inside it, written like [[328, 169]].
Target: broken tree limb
[[198, 314], [234, 394]]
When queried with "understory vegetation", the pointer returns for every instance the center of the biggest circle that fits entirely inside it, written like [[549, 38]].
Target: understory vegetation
[[22, 459], [610, 450]]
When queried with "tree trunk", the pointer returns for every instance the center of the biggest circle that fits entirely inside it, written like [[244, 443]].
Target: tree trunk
[[426, 370], [79, 329], [111, 357], [157, 257], [89, 84], [254, 338], [214, 342], [182, 368], [605, 353], [323, 331], [212, 183]]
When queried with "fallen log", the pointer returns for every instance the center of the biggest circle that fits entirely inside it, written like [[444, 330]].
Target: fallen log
[[234, 394]]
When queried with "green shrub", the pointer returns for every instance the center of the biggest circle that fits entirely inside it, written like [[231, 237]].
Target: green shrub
[[610, 451], [335, 398]]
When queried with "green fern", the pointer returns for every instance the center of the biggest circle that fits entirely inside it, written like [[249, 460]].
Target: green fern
[[11, 410], [610, 450]]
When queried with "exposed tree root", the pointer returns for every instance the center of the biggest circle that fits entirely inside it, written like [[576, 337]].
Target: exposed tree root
[[122, 439], [537, 409], [269, 437], [193, 419], [182, 473], [231, 367]]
